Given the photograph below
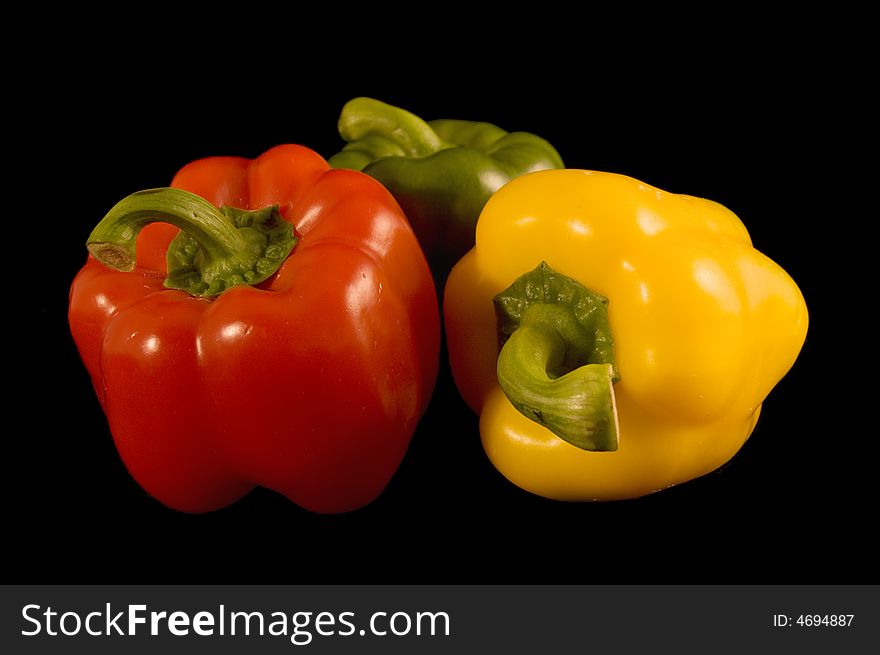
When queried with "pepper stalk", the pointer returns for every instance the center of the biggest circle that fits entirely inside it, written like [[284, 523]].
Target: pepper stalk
[[556, 364], [216, 249]]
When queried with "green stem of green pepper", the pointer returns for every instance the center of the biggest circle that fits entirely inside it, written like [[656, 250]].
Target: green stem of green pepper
[[375, 129]]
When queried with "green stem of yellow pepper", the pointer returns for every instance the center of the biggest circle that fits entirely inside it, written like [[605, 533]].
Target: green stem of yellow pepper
[[556, 364]]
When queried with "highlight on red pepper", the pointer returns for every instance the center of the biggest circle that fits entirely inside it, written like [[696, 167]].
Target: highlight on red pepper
[[263, 322]]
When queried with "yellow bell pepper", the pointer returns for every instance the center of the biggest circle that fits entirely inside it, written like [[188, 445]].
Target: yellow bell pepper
[[638, 356]]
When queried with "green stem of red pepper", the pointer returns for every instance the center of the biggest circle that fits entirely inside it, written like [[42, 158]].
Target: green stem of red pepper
[[216, 250]]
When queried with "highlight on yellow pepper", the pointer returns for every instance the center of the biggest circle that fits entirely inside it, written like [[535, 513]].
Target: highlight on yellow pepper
[[615, 339]]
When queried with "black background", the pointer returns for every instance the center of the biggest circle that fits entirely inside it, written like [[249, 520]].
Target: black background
[[793, 506]]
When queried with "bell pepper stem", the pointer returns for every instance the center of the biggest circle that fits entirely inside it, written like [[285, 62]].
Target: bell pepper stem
[[556, 364], [385, 130], [216, 249]]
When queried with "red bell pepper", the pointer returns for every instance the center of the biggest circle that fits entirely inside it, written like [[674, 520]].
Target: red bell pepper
[[309, 382]]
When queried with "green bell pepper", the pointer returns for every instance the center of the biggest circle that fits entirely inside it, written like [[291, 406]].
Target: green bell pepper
[[441, 172]]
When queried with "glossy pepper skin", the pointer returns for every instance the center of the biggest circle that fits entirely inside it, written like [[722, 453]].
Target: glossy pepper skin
[[703, 326], [442, 172], [310, 383]]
